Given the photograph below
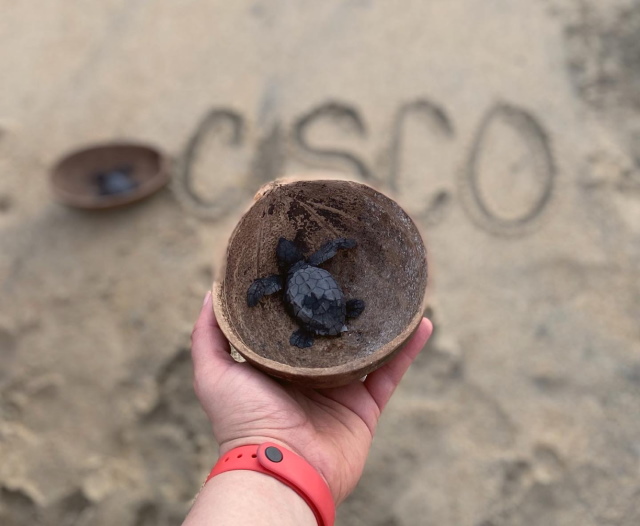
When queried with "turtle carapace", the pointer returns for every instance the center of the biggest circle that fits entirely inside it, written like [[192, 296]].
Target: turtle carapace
[[311, 294]]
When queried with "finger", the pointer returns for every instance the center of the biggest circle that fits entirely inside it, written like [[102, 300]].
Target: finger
[[382, 383], [209, 346]]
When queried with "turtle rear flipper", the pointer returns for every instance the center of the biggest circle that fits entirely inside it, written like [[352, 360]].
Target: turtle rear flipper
[[354, 308], [301, 339], [330, 249], [263, 287]]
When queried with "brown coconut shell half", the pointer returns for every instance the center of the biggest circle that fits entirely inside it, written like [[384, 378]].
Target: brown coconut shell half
[[73, 178], [387, 269]]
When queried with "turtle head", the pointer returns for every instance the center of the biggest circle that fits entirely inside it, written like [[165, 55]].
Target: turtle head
[[287, 254]]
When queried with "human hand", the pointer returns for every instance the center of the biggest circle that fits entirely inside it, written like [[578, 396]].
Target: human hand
[[331, 428]]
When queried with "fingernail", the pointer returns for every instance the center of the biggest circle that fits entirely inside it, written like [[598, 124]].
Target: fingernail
[[206, 298]]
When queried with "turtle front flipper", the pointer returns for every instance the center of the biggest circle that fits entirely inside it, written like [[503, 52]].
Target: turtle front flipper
[[354, 308], [263, 287], [330, 249], [301, 339]]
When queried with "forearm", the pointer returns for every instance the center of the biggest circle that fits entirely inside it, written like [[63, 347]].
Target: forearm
[[239, 498]]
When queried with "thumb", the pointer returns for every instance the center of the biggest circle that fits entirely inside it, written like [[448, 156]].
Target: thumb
[[382, 383]]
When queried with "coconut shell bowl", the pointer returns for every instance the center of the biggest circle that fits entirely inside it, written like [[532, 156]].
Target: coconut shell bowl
[[386, 269], [109, 175]]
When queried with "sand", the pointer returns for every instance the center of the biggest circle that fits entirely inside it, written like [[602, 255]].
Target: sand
[[509, 129]]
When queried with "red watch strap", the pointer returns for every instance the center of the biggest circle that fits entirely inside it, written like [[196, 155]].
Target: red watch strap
[[289, 468]]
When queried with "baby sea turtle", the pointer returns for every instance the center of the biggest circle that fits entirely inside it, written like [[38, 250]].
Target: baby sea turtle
[[117, 181], [311, 294]]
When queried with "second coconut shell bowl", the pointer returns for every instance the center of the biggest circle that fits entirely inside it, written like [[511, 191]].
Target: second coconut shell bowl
[[109, 175]]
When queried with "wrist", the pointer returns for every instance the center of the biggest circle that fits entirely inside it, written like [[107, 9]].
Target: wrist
[[225, 447], [284, 465], [246, 497]]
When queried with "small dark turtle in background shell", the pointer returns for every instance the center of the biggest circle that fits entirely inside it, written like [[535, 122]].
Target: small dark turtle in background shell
[[118, 181], [311, 294]]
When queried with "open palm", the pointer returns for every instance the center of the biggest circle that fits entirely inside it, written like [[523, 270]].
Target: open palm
[[331, 428]]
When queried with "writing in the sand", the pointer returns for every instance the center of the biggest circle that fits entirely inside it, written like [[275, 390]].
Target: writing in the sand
[[503, 177]]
